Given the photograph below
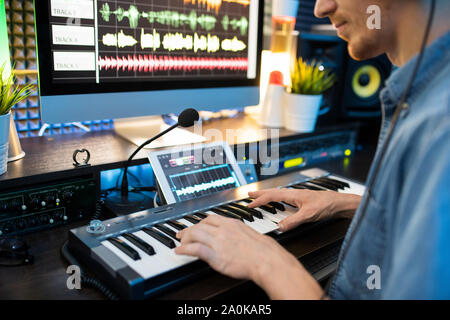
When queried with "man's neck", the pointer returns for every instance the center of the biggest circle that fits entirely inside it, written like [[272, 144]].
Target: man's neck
[[412, 20]]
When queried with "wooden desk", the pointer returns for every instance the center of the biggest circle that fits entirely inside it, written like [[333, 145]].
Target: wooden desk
[[51, 158]]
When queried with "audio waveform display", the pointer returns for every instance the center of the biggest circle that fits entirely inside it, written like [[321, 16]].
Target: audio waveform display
[[154, 40], [174, 41], [233, 45], [241, 24], [216, 4], [177, 41], [201, 182], [206, 186], [152, 63], [174, 18], [120, 40]]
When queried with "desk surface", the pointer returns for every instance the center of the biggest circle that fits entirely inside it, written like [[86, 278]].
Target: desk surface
[[46, 278], [52, 156]]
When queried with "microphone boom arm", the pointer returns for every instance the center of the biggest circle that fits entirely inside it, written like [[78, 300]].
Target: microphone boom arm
[[124, 186]]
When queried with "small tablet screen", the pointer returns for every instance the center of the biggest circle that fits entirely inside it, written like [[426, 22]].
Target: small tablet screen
[[185, 174]]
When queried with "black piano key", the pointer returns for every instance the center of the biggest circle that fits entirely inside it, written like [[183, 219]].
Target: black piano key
[[176, 224], [252, 211], [337, 185], [155, 234], [343, 183], [269, 208], [277, 205], [125, 248], [265, 207], [310, 187], [323, 184], [226, 214], [167, 231], [299, 186], [243, 214], [138, 242], [201, 215], [192, 219]]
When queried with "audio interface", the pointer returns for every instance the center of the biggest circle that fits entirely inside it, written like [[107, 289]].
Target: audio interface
[[300, 152], [46, 205]]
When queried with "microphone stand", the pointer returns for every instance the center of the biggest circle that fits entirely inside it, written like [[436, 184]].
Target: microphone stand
[[124, 186], [125, 202]]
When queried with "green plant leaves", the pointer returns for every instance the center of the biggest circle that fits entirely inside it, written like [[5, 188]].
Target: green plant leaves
[[10, 93], [311, 78]]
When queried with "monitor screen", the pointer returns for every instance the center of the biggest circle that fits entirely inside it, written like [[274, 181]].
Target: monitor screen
[[111, 46], [189, 173]]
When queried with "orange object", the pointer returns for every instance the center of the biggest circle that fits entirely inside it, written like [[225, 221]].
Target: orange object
[[276, 78]]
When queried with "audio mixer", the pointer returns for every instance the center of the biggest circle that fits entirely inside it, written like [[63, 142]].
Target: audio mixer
[[47, 205]]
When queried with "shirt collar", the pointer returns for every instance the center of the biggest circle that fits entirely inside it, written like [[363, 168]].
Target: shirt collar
[[436, 56]]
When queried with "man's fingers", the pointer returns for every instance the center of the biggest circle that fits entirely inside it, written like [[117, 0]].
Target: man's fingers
[[256, 194], [202, 233], [269, 195], [292, 221], [196, 249], [214, 220]]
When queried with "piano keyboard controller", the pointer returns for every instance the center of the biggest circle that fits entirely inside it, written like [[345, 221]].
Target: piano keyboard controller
[[134, 255]]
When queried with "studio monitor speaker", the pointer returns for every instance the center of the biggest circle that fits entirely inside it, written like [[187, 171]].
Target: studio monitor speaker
[[363, 82]]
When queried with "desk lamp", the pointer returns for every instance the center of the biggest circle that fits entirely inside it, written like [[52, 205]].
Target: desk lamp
[[282, 43]]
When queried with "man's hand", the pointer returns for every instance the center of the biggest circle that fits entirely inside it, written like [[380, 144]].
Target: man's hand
[[234, 249], [312, 205]]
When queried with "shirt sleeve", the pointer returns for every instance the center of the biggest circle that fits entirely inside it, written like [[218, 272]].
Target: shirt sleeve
[[419, 266]]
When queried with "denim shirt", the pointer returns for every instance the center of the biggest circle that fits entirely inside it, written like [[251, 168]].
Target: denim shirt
[[401, 247]]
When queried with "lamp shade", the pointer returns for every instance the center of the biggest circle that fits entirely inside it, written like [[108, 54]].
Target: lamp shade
[[4, 45], [285, 8]]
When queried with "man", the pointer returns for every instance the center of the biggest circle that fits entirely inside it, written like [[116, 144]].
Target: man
[[404, 232]]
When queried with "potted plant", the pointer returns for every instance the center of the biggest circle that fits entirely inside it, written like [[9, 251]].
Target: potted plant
[[10, 94], [303, 99]]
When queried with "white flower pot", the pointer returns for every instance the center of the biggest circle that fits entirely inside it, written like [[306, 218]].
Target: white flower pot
[[301, 111], [5, 122]]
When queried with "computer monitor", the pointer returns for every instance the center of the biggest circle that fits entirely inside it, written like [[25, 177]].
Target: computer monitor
[[108, 59]]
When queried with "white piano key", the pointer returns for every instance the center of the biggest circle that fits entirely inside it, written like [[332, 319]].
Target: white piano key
[[176, 260], [137, 265], [187, 223], [151, 261], [355, 188]]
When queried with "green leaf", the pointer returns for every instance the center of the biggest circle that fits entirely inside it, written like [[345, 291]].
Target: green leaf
[[10, 93], [311, 78]]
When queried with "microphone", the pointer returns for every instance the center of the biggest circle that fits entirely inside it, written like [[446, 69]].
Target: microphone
[[185, 119]]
